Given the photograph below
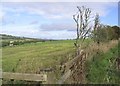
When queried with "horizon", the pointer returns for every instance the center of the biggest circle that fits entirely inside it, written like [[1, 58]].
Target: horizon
[[51, 20]]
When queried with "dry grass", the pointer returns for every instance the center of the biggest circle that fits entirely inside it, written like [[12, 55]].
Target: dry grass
[[93, 48]]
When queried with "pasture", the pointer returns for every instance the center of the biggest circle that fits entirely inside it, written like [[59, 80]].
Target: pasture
[[32, 57]]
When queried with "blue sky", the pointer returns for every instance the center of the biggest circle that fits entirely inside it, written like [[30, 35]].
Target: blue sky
[[50, 20]]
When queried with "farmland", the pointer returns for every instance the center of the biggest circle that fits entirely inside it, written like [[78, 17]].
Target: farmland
[[30, 58], [15, 40]]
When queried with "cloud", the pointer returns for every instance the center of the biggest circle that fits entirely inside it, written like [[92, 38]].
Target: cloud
[[56, 10], [2, 14], [31, 31], [57, 34], [34, 22], [58, 27], [19, 30]]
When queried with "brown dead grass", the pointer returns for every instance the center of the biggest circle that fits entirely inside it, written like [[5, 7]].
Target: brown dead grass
[[93, 48]]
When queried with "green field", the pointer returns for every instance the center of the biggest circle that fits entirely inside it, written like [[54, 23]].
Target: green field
[[31, 57]]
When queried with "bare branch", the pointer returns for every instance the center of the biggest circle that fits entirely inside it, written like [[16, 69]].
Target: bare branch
[[83, 21]]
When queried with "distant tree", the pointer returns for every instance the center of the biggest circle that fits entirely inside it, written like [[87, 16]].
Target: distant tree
[[96, 28], [106, 33], [116, 32]]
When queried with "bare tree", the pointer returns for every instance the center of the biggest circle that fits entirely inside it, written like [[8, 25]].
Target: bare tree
[[83, 22]]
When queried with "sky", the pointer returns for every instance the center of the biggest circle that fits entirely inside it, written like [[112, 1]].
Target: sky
[[50, 20]]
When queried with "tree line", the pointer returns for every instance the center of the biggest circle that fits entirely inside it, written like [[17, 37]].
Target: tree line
[[106, 33], [89, 26]]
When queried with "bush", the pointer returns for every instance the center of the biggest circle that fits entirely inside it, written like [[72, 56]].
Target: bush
[[99, 68], [5, 43], [106, 33]]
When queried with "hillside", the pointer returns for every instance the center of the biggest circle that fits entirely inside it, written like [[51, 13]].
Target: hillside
[[11, 37], [16, 40]]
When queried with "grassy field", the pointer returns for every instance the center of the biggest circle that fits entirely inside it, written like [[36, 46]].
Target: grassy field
[[30, 58]]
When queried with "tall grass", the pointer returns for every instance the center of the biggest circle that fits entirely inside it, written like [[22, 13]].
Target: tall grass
[[100, 70]]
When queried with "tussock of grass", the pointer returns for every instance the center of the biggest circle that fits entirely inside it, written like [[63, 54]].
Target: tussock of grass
[[93, 47]]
